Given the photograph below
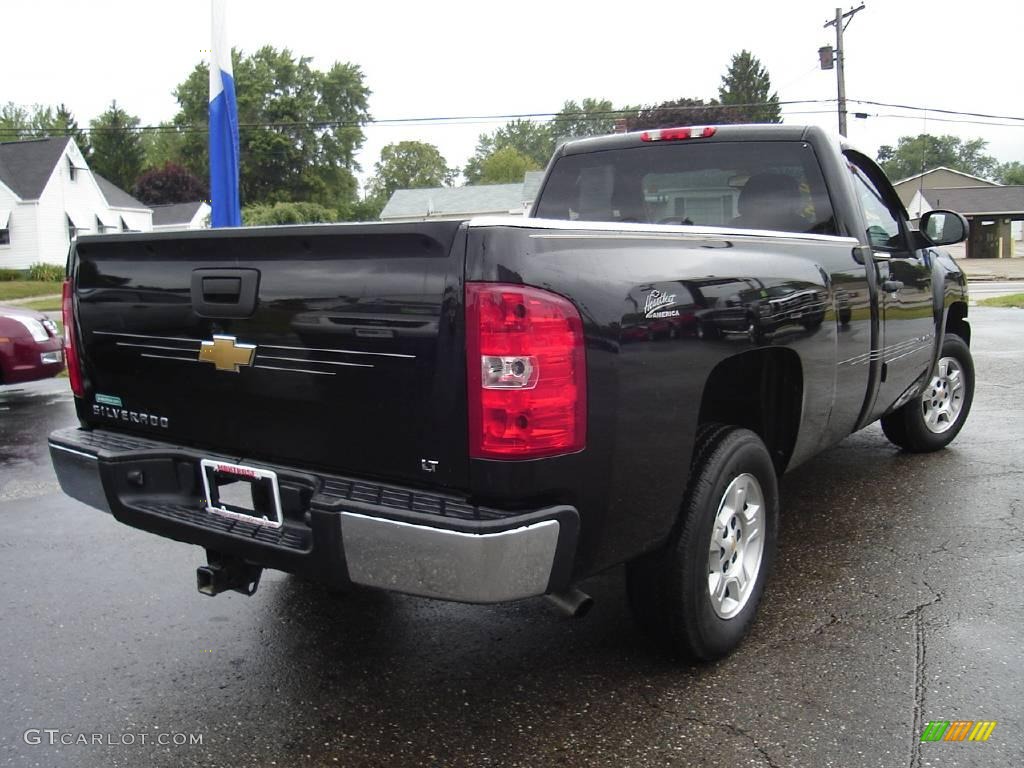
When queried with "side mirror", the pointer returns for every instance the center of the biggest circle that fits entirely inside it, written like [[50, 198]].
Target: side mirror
[[944, 227]]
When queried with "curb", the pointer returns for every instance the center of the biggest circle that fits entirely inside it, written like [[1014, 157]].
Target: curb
[[27, 299]]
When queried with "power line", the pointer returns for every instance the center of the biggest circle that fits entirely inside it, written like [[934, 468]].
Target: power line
[[931, 118], [934, 109], [592, 116], [438, 119]]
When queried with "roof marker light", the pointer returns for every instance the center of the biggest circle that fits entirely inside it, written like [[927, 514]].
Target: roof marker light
[[677, 134]]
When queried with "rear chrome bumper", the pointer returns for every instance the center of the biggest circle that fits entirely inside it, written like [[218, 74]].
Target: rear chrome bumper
[[472, 554], [433, 562]]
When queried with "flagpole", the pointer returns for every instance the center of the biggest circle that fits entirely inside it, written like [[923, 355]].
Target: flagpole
[[224, 199]]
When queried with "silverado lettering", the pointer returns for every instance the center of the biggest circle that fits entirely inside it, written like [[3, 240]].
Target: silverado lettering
[[134, 417]]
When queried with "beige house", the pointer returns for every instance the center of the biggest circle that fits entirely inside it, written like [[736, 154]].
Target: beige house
[[936, 178], [995, 213]]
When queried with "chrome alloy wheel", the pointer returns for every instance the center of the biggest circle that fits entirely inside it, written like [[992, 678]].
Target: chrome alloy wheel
[[943, 399], [737, 543]]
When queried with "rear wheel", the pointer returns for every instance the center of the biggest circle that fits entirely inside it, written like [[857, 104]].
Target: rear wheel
[[701, 591], [935, 417]]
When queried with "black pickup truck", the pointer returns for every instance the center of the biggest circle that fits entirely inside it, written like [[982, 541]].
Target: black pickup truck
[[495, 409]]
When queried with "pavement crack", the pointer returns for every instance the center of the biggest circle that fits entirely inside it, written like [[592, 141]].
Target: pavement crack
[[737, 731], [712, 725], [833, 620], [760, 750], [920, 672]]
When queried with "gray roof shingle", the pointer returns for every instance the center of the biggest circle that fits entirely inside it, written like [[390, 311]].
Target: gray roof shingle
[[974, 200], [174, 213], [26, 166], [531, 185], [117, 197], [441, 201]]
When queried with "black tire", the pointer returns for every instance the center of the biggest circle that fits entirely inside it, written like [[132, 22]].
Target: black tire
[[669, 590], [908, 427]]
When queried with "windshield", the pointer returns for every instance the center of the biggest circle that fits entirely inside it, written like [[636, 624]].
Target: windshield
[[775, 185]]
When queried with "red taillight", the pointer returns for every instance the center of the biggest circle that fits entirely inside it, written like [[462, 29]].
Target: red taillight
[[70, 343], [527, 373], [675, 134]]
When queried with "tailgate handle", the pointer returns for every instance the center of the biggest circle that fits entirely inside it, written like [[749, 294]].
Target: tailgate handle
[[225, 292], [222, 289]]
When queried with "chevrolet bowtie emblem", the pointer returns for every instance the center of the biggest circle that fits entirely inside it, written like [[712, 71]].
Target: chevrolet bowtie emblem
[[226, 353]]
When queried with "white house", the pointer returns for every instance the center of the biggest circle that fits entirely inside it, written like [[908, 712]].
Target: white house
[[48, 195], [177, 216]]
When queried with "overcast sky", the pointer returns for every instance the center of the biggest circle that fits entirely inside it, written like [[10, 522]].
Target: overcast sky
[[450, 57]]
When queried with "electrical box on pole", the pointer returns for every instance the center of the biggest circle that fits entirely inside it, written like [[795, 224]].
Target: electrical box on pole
[[827, 56], [838, 23]]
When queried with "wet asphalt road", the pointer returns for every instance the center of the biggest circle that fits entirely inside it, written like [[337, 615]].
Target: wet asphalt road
[[896, 600]]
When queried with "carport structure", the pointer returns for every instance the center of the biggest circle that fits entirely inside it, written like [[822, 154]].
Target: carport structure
[[996, 215]]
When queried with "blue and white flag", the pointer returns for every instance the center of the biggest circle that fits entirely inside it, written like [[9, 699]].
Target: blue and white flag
[[224, 201]]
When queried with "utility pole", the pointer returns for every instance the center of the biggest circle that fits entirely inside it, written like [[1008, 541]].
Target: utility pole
[[837, 22]]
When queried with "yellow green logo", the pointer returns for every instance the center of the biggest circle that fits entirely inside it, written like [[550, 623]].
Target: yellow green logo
[[958, 730]]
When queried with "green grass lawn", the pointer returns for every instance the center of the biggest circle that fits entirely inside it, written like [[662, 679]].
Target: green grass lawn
[[42, 305], [1013, 300], [23, 289]]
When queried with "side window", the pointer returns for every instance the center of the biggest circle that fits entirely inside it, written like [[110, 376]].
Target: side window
[[883, 225]]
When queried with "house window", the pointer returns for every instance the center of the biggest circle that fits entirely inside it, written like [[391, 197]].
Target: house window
[[5, 227], [102, 226], [124, 225], [72, 171], [72, 229]]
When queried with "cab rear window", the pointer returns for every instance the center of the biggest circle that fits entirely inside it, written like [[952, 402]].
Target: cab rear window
[[771, 185]]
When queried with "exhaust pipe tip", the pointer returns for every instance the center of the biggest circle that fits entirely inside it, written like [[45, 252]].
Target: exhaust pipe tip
[[573, 602]]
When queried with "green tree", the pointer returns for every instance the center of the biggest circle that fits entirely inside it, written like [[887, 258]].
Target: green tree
[[917, 154], [1011, 173], [409, 165], [506, 166], [682, 111], [19, 123], [299, 127], [117, 152], [15, 122], [165, 144], [591, 117], [367, 209], [747, 82], [64, 124], [532, 140]]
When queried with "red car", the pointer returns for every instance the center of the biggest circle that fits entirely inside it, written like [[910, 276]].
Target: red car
[[30, 346]]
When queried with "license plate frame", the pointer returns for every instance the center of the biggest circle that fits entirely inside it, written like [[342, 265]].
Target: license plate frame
[[209, 469]]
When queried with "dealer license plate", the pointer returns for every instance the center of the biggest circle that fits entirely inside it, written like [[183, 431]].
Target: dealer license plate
[[243, 493]]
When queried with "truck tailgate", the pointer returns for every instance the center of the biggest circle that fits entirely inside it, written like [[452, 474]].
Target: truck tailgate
[[332, 347]]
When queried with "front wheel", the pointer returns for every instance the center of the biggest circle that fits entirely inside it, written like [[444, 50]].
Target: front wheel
[[700, 593], [931, 420]]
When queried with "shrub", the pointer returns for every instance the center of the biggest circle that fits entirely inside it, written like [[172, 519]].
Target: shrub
[[48, 273], [6, 275], [287, 213]]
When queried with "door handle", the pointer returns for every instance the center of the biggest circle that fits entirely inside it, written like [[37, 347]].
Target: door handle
[[891, 286], [225, 292]]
